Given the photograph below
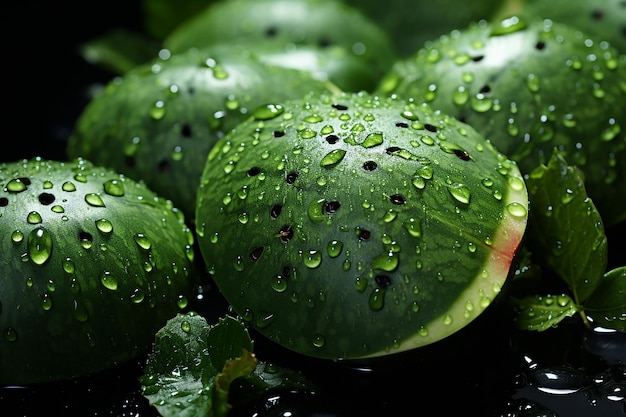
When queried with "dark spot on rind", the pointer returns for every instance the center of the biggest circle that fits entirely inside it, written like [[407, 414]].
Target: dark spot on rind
[[461, 154], [540, 46], [254, 171], [331, 206], [186, 130], [271, 31], [256, 253], [163, 166], [275, 210], [430, 128], [85, 236], [278, 133], [46, 198], [597, 14], [397, 199], [383, 280], [4, 201], [478, 58], [324, 43], [285, 233], [340, 106], [402, 125], [332, 139], [363, 234], [485, 89], [291, 178], [392, 149], [370, 165]]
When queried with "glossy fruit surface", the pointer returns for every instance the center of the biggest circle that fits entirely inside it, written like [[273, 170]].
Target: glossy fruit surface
[[346, 226], [530, 86], [93, 265]]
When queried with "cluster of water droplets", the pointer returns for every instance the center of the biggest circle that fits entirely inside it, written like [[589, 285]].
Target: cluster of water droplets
[[50, 216]]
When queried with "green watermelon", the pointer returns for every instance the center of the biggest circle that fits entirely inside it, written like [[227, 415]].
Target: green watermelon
[[347, 226], [93, 265], [530, 86]]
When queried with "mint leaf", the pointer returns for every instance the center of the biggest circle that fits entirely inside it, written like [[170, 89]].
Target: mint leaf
[[192, 364], [607, 305], [542, 312], [565, 230]]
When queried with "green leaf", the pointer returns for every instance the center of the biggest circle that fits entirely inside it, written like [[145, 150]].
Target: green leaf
[[119, 50], [191, 367], [565, 230], [163, 16], [607, 305], [542, 312]]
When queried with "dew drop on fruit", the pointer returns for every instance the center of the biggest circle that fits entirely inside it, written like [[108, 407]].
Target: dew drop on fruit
[[10, 334], [17, 236], [68, 186], [114, 188], [46, 302], [33, 217], [509, 25], [268, 111], [319, 341], [94, 200], [142, 241], [373, 139], [39, 245], [460, 192], [137, 296], [516, 209], [333, 158], [104, 225], [334, 248], [108, 281], [16, 185], [157, 111], [182, 301], [312, 259], [377, 299]]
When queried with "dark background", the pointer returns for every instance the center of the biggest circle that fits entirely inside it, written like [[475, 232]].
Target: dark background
[[45, 80]]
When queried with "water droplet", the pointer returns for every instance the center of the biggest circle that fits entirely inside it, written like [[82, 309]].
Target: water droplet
[[507, 26], [377, 299], [532, 82], [373, 139], [39, 245], [94, 200], [10, 334], [33, 218], [312, 259], [157, 111], [17, 236], [46, 302], [460, 96], [386, 262], [104, 225], [182, 302], [460, 192], [414, 227], [334, 248], [333, 158], [114, 188], [516, 209], [143, 241], [16, 185], [268, 111], [108, 281], [137, 296]]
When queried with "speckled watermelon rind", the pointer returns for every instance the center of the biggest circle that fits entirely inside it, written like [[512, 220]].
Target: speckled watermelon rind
[[270, 229], [58, 319], [529, 87], [158, 122]]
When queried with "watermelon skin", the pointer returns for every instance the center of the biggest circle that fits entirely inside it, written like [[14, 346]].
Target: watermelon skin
[[350, 226], [93, 264], [289, 24], [412, 23], [604, 19], [530, 87], [158, 122]]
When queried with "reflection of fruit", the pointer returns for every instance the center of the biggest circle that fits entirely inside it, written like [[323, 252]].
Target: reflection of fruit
[[158, 122], [347, 226], [530, 86], [317, 24], [93, 265]]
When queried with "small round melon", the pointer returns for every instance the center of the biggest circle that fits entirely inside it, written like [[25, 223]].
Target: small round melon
[[348, 226], [93, 264], [318, 24], [158, 122], [530, 86]]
